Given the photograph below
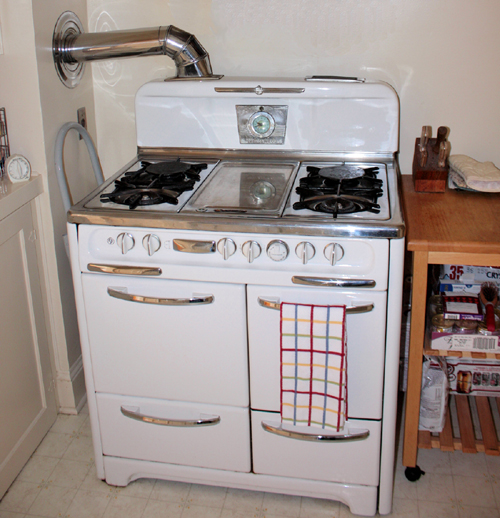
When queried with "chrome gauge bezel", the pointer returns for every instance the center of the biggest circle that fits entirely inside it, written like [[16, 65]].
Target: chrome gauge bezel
[[268, 117]]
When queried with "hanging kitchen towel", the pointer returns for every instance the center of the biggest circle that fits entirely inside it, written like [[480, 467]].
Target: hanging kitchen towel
[[313, 365]]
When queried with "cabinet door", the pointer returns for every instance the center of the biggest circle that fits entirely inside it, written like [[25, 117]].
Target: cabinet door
[[27, 402]]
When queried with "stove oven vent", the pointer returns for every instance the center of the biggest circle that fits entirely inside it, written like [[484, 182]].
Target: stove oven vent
[[72, 48]]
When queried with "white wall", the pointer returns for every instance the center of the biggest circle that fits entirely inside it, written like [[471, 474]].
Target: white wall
[[440, 55]]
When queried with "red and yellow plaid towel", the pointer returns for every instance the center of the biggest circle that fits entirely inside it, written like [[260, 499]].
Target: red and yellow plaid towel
[[313, 365]]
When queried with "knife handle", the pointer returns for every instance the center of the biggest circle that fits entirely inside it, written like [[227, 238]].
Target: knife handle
[[441, 137]]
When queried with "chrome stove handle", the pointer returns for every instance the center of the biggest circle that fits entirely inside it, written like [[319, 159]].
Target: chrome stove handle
[[123, 270], [352, 435], [134, 413], [269, 304], [332, 282], [129, 297]]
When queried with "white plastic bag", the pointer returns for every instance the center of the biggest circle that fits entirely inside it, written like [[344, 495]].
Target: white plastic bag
[[434, 396]]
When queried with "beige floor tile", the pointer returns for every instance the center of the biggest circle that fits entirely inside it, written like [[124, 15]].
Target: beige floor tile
[[233, 513], [52, 501], [469, 464], [88, 505], [159, 509], [141, 488], [206, 496], [319, 508], [434, 461], [170, 491], [437, 510], [69, 473], [276, 504], [7, 514], [20, 496], [38, 469], [477, 512], [403, 488], [200, 511], [241, 500], [54, 444], [68, 423], [474, 491], [96, 485], [85, 428], [436, 487], [81, 449], [125, 507]]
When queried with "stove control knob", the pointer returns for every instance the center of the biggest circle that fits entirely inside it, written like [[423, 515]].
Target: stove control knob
[[151, 243], [125, 241], [305, 251], [277, 250], [334, 253], [227, 247], [251, 250]]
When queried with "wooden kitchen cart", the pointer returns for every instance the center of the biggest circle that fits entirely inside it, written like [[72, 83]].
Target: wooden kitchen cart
[[454, 227]]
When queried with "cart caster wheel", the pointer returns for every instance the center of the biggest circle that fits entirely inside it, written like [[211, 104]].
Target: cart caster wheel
[[413, 474]]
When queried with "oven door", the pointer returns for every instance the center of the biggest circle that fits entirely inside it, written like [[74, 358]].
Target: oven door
[[365, 344], [166, 339]]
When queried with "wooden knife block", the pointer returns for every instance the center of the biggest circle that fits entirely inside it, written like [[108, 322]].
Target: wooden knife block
[[430, 177]]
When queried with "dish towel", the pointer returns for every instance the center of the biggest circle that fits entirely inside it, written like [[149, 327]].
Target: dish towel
[[313, 365], [467, 173]]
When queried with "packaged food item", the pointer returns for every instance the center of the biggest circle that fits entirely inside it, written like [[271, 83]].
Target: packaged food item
[[469, 274], [434, 395], [462, 308], [475, 377]]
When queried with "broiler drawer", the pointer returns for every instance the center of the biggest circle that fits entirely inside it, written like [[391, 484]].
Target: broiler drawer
[[348, 462], [223, 445]]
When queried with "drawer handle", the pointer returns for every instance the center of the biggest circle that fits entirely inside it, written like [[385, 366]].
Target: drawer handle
[[277, 429], [349, 309], [209, 420], [123, 270], [331, 282], [129, 297], [192, 246]]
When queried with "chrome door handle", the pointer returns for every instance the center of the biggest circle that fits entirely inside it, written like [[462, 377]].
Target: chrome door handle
[[332, 282], [270, 304], [277, 429], [118, 294], [123, 270], [202, 421]]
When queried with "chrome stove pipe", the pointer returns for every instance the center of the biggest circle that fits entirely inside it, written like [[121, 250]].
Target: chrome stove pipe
[[72, 47]]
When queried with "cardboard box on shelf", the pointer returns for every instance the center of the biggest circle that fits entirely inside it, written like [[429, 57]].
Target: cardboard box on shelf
[[474, 377], [469, 274]]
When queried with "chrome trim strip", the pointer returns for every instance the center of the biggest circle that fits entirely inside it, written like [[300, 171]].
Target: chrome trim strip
[[331, 282], [258, 90], [269, 304], [205, 421], [129, 297], [329, 79], [193, 246], [277, 428], [123, 270]]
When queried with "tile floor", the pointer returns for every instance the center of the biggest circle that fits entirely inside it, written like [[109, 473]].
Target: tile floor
[[59, 481]]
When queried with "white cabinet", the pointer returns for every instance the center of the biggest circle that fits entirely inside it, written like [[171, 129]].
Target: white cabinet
[[27, 402]]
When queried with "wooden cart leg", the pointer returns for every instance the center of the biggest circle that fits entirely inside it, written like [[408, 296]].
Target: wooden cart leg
[[417, 334]]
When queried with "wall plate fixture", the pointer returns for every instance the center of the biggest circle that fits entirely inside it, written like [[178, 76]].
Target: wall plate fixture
[[81, 115]]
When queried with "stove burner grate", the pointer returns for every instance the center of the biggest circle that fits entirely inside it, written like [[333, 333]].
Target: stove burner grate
[[154, 183]]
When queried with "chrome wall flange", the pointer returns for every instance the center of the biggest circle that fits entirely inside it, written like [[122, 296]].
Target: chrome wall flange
[[67, 28]]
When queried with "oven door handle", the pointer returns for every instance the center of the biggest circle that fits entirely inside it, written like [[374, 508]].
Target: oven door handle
[[352, 435], [129, 297], [331, 282], [123, 270], [270, 304], [134, 413]]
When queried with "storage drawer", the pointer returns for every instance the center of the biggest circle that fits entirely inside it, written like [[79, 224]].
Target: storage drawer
[[350, 462], [225, 445]]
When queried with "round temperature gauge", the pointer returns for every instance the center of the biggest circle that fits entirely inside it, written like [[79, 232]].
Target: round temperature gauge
[[261, 124], [277, 250]]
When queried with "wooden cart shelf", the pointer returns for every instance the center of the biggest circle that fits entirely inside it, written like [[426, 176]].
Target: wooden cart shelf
[[465, 354], [466, 442]]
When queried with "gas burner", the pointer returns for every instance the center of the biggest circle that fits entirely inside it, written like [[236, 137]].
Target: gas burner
[[344, 189], [140, 197], [154, 183], [337, 204]]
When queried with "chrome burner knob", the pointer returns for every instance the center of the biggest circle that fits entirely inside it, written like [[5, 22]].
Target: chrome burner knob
[[226, 247], [334, 253], [125, 241], [305, 251], [151, 243], [251, 250], [277, 250]]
